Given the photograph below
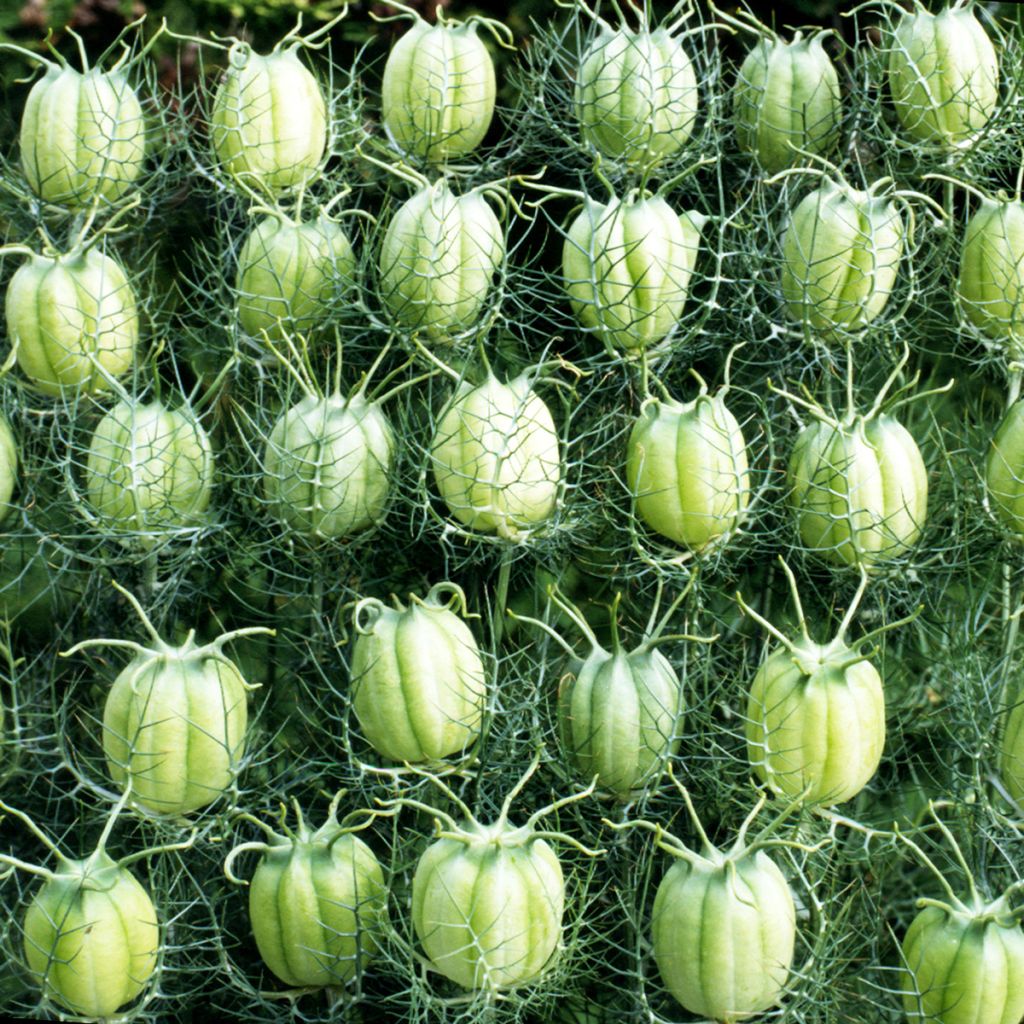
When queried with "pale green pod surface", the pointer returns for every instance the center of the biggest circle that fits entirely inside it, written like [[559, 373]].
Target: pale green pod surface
[[619, 718], [82, 136], [437, 94], [418, 682], [289, 274], [149, 468], [815, 722], [627, 265], [72, 321], [1004, 470], [787, 98], [1010, 754], [438, 260], [943, 76], [859, 491], [991, 279], [961, 968], [488, 912], [269, 121], [175, 721], [636, 95], [495, 458], [840, 255], [91, 937], [686, 466], [316, 905], [327, 466], [723, 935], [8, 465]]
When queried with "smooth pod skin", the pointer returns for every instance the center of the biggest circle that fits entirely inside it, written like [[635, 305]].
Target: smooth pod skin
[[959, 968], [943, 76], [859, 492], [91, 936], [149, 468], [437, 94], [316, 905], [8, 465], [619, 718], [495, 458], [686, 466], [82, 136], [269, 120], [488, 913], [289, 274], [1010, 764], [841, 252], [327, 466], [175, 721], [787, 98], [815, 722], [73, 321], [991, 279], [723, 935], [627, 265], [1004, 470], [438, 260], [418, 683], [636, 95]]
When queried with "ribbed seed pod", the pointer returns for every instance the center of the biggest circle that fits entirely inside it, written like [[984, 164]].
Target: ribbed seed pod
[[841, 252], [91, 936], [943, 75], [418, 681], [1010, 754], [438, 260], [859, 489], [627, 265], [437, 94], [1004, 470], [82, 136], [8, 466], [317, 903], [495, 458], [72, 321], [636, 95], [269, 121], [149, 469], [289, 274], [787, 99], [327, 466], [686, 466], [990, 284]]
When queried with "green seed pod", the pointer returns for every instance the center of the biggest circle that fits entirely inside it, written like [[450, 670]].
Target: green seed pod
[[269, 121], [815, 721], [841, 252], [8, 466], [943, 75], [686, 466], [437, 94], [627, 264], [859, 489], [495, 458], [327, 466], [91, 936], [288, 275], [149, 470], [82, 136], [418, 682], [438, 260], [991, 280], [787, 98], [174, 721], [72, 321], [723, 928], [317, 902], [1004, 470], [1010, 754], [636, 95]]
